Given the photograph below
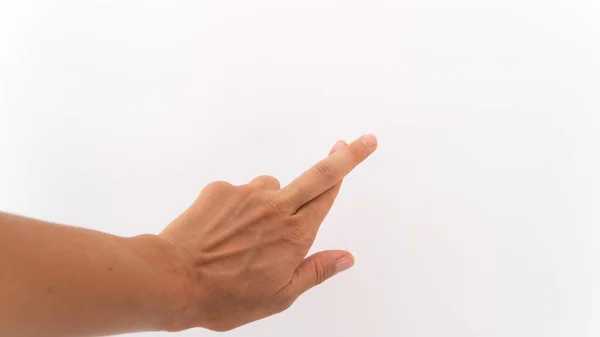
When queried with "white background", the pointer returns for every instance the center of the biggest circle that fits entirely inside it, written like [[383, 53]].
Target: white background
[[477, 216]]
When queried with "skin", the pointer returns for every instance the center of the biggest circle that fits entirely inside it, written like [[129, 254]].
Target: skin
[[236, 255]]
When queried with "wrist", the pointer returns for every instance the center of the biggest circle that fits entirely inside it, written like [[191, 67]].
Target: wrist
[[168, 275]]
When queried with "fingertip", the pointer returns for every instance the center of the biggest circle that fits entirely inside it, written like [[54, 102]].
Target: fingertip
[[369, 140], [319, 267], [344, 262]]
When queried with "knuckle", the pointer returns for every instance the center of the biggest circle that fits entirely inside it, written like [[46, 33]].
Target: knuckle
[[219, 185], [277, 205], [271, 180], [321, 273], [326, 171], [218, 188], [275, 182], [356, 152]]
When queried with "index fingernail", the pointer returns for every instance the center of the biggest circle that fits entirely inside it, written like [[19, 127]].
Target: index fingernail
[[369, 140]]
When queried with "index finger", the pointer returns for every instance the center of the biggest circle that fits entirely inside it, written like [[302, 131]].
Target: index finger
[[329, 171]]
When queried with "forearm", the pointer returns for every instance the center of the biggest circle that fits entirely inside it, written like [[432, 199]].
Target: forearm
[[65, 281]]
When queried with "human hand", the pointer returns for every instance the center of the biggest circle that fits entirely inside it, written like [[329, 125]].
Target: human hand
[[242, 248]]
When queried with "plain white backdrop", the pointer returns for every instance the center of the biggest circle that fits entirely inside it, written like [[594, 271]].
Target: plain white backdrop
[[477, 216]]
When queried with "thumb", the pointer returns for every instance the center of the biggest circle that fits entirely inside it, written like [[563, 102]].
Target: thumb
[[319, 267]]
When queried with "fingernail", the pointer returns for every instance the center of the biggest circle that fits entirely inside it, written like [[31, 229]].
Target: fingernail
[[369, 140], [344, 263], [340, 144]]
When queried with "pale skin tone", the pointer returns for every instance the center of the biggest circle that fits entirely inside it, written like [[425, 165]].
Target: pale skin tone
[[236, 255]]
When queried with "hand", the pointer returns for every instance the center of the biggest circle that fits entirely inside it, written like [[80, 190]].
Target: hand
[[243, 248]]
